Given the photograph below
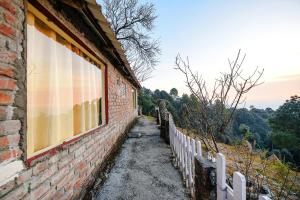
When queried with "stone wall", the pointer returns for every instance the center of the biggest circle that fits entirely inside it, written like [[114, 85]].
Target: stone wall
[[164, 121], [64, 172]]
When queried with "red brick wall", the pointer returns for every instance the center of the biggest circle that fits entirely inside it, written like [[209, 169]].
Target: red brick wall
[[62, 173]]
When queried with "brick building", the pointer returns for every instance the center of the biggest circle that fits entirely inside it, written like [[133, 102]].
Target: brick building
[[67, 96]]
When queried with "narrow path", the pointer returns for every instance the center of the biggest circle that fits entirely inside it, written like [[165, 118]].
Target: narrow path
[[143, 169]]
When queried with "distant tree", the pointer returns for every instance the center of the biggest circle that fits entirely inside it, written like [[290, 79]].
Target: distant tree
[[146, 101], [285, 125], [245, 130], [174, 92], [287, 117], [256, 120], [133, 23]]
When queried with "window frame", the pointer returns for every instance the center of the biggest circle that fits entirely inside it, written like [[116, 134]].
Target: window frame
[[59, 28], [134, 97]]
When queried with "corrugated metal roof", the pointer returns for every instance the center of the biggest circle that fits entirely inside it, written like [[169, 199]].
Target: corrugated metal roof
[[95, 9]]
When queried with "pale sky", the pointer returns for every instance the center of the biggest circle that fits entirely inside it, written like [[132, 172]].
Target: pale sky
[[209, 32]]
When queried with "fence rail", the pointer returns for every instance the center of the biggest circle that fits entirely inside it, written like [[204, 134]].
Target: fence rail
[[186, 149]]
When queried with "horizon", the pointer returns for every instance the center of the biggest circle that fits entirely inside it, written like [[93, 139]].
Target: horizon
[[268, 32]]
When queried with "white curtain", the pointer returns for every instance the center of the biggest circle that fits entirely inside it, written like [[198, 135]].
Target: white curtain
[[63, 91]]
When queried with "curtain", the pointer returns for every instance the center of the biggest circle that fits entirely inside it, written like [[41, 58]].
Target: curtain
[[64, 90]]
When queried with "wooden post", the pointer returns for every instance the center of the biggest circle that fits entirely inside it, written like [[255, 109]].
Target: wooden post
[[221, 177], [239, 186]]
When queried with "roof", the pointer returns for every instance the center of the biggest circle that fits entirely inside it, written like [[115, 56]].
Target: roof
[[92, 10]]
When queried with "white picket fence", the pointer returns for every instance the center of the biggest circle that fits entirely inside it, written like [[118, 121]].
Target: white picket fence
[[185, 149]]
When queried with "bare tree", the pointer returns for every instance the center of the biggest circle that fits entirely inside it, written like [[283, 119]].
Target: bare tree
[[217, 107], [133, 24]]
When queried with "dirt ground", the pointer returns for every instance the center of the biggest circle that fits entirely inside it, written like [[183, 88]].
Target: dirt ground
[[143, 169]]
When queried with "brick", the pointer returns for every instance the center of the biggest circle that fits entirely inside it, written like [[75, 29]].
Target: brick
[[6, 71], [8, 57], [6, 112], [80, 166], [6, 97], [7, 83], [68, 195], [35, 181], [9, 18], [78, 184], [24, 177], [59, 176], [49, 195], [7, 187], [79, 151], [9, 141], [7, 30], [40, 167], [64, 182], [40, 191], [4, 142], [19, 3], [65, 161], [9, 126], [59, 194], [8, 5], [10, 154], [17, 193]]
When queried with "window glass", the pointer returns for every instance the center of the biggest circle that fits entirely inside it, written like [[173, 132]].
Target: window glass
[[64, 90]]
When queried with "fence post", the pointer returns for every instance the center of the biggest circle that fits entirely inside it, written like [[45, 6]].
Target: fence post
[[204, 179], [239, 186], [157, 113], [185, 155], [167, 131], [263, 197], [221, 177], [192, 158], [188, 150], [199, 150], [181, 152], [176, 146]]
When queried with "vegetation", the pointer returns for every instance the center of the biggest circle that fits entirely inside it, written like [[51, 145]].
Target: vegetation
[[214, 109], [285, 135], [276, 132], [133, 23]]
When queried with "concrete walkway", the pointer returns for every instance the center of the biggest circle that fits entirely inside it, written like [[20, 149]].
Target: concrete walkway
[[143, 169]]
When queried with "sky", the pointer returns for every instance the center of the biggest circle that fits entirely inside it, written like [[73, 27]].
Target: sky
[[210, 32]]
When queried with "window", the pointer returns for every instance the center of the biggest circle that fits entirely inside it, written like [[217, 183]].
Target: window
[[64, 88], [123, 89], [134, 98]]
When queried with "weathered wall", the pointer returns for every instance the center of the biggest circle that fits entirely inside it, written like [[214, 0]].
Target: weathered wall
[[62, 173]]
